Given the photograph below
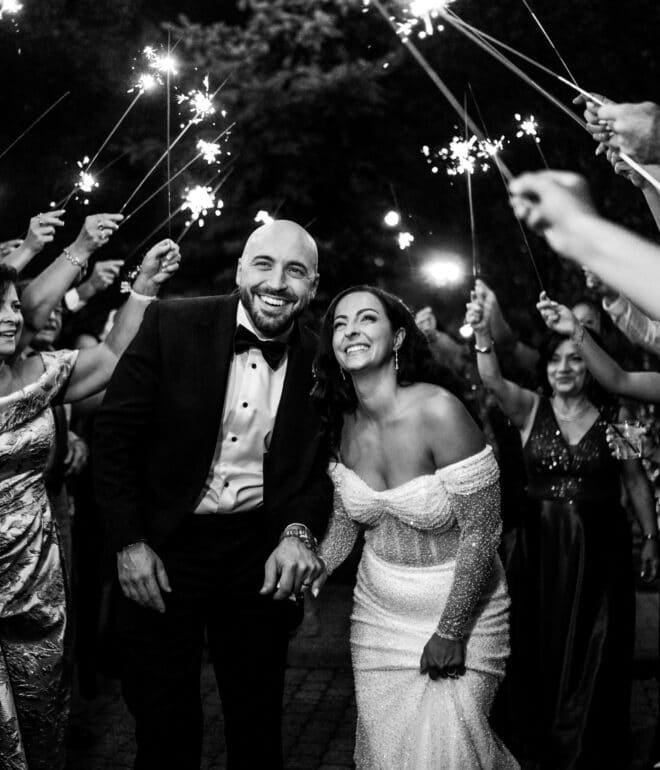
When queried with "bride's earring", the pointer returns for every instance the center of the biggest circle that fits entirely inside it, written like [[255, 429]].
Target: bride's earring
[[396, 359], [343, 374]]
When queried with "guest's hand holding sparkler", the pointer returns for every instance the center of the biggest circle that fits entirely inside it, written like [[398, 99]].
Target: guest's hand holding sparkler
[[95, 232], [558, 317], [41, 231], [159, 264], [634, 129], [553, 203], [597, 128]]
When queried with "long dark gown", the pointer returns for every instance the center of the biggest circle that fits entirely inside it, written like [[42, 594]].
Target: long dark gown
[[572, 592]]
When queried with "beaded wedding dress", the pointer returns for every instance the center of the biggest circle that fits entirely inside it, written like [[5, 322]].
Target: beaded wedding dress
[[429, 562]]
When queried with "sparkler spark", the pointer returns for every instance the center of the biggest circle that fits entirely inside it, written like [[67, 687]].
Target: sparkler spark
[[86, 182], [199, 200], [415, 12], [200, 102], [10, 7], [159, 64], [263, 217], [405, 240], [527, 127], [464, 155], [209, 150]]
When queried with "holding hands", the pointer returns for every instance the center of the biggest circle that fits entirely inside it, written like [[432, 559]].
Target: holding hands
[[633, 129], [292, 569]]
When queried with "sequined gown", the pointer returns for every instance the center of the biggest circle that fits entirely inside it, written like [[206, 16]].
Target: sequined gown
[[429, 561], [32, 606], [572, 593]]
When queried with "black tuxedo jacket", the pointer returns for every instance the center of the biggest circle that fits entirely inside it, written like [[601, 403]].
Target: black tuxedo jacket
[[156, 433]]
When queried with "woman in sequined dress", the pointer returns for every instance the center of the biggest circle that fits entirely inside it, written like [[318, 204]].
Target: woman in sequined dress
[[429, 628], [32, 600], [571, 576]]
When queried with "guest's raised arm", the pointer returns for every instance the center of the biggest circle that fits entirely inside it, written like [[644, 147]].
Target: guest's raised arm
[[643, 386], [41, 232]]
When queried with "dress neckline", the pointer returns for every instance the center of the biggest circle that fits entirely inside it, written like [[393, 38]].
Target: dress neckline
[[387, 489], [584, 435]]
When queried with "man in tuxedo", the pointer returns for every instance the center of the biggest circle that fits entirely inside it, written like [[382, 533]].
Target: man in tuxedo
[[211, 475]]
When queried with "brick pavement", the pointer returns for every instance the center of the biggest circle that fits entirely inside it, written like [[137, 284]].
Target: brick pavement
[[319, 706]]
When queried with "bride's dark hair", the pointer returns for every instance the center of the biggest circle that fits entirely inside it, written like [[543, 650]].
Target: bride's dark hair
[[335, 396]]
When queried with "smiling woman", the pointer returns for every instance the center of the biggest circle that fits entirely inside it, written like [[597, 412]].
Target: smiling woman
[[429, 635]]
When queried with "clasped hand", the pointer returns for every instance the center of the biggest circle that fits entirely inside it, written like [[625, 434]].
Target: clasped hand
[[443, 658]]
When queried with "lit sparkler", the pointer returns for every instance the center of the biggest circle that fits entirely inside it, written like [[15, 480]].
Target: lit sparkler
[[263, 217], [86, 182], [10, 7], [392, 218], [200, 102], [405, 240], [199, 200], [464, 156], [527, 127], [209, 150]]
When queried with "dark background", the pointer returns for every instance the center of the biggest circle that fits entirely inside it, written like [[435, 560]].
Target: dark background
[[324, 133]]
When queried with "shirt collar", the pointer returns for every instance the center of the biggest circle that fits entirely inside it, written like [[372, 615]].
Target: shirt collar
[[243, 319]]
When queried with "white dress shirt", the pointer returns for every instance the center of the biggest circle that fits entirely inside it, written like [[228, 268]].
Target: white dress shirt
[[235, 481]]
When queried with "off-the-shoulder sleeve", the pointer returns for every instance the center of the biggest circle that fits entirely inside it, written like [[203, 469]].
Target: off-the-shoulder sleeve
[[58, 365], [473, 485], [341, 534]]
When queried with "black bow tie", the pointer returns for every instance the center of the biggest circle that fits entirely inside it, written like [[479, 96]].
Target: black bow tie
[[272, 350]]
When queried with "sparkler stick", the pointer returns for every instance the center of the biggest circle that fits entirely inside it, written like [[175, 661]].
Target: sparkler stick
[[547, 37], [168, 137], [34, 123], [171, 179], [177, 139], [437, 81], [476, 38], [506, 188], [473, 229]]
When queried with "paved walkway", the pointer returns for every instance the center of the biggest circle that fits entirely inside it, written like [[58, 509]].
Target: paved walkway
[[319, 706]]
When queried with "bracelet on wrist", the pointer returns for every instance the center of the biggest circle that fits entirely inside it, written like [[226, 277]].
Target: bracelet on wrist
[[75, 261], [485, 349], [578, 335], [142, 297]]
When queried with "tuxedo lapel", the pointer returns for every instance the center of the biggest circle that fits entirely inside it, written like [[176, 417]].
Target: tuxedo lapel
[[217, 352], [295, 428]]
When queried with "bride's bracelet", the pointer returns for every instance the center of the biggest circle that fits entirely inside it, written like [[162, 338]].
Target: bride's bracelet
[[448, 636]]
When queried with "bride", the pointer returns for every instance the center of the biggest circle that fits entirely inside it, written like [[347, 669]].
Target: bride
[[429, 629]]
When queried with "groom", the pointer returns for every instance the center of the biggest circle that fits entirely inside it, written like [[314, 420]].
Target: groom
[[211, 476]]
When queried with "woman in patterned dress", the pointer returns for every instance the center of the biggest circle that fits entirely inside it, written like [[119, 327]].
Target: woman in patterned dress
[[32, 602]]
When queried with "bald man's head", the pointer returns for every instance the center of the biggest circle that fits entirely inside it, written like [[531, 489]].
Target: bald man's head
[[277, 275]]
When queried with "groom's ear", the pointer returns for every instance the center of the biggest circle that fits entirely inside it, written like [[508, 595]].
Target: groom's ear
[[239, 271]]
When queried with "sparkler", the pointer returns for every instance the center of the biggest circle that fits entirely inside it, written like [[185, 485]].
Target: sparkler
[[176, 175], [468, 179], [481, 38], [168, 134], [437, 81], [177, 139], [392, 218], [199, 200], [506, 189], [405, 240], [209, 151], [465, 156], [529, 127], [416, 11], [35, 121], [200, 102], [547, 37]]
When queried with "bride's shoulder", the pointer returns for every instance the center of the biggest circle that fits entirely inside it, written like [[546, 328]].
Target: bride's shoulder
[[447, 425]]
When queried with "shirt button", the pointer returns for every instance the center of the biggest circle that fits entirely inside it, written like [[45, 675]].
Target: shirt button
[[234, 438], [226, 483], [245, 404], [254, 366]]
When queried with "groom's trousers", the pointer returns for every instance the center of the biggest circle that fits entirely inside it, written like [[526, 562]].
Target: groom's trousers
[[215, 565]]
